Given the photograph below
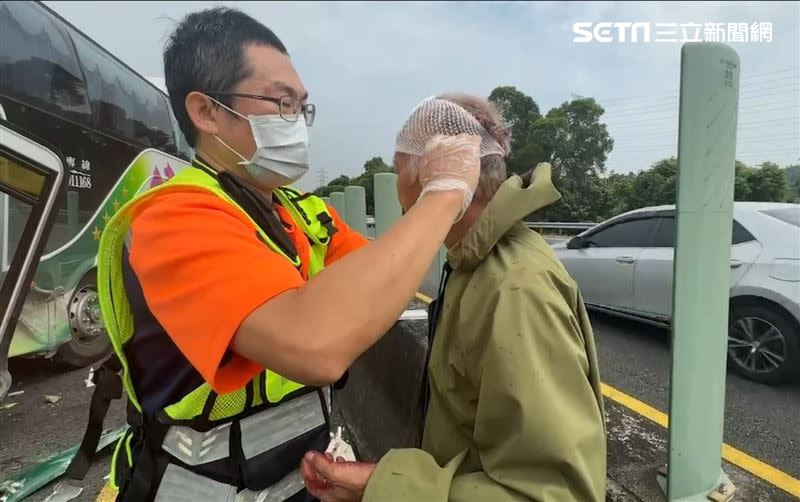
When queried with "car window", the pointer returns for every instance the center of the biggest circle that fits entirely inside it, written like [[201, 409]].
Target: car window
[[666, 233], [740, 234], [631, 233]]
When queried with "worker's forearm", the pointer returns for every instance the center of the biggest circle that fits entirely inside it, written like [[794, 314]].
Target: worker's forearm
[[357, 299], [314, 333]]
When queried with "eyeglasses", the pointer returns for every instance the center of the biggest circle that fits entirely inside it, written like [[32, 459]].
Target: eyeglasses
[[289, 108]]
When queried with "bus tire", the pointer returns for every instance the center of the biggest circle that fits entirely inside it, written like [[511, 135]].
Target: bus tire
[[89, 342]]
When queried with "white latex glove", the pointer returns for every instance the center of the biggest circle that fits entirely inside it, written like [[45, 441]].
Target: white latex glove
[[451, 163]]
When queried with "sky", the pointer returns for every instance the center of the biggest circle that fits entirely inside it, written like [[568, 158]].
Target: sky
[[366, 64]]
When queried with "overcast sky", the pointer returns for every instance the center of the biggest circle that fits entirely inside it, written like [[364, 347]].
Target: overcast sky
[[367, 64]]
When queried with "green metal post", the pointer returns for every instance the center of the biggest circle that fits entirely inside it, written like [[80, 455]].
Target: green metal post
[[356, 208], [387, 206], [338, 203], [709, 102], [326, 200]]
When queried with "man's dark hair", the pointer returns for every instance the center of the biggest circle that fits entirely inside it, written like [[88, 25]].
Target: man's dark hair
[[206, 53]]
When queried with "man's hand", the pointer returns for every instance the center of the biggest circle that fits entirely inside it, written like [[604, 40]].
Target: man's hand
[[334, 481]]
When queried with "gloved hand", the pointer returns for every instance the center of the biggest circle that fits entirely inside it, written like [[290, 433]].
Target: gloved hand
[[451, 163]]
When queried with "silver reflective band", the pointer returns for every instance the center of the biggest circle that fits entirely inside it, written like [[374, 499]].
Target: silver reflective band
[[280, 491], [260, 432], [182, 485], [194, 448], [272, 427]]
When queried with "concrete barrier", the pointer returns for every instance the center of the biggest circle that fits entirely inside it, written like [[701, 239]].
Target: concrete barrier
[[378, 407]]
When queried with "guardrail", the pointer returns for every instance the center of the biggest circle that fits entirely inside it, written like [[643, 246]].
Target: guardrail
[[554, 225], [351, 205], [560, 225]]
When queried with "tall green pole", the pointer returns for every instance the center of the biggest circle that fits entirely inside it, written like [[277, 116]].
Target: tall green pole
[[709, 103], [338, 203], [387, 206], [356, 208]]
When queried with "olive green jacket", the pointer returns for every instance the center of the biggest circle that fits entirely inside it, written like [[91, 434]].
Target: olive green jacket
[[516, 410]]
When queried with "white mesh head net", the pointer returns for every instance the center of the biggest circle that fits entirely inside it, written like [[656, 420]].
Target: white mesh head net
[[435, 117]]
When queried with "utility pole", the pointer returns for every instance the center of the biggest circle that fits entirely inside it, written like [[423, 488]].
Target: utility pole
[[321, 177]]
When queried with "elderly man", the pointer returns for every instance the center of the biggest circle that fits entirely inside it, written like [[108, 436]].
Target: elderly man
[[514, 409]]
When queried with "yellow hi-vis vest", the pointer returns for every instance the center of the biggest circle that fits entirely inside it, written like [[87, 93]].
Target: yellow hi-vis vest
[[310, 214]]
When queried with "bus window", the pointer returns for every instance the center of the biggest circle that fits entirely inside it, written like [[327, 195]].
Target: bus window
[[185, 151], [38, 65], [121, 101]]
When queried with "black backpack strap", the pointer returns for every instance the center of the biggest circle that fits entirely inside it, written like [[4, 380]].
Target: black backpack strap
[[108, 386], [150, 464], [434, 313]]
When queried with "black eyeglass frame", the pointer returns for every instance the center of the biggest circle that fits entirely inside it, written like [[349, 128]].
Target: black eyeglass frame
[[308, 110]]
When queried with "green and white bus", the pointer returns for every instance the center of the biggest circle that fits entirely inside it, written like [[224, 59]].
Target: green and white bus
[[116, 136]]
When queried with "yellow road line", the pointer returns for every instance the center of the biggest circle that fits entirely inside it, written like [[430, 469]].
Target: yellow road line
[[424, 298], [107, 494], [736, 457]]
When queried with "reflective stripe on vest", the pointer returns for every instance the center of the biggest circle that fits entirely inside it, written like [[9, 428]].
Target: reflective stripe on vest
[[259, 432], [182, 485], [306, 212]]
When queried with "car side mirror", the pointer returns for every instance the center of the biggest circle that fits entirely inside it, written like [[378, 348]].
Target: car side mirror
[[577, 243]]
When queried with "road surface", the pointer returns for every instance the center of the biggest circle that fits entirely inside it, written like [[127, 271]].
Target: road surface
[[761, 421]]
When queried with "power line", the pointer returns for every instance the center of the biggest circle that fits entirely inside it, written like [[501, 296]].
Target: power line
[[321, 177], [674, 101], [746, 78], [640, 117], [673, 126]]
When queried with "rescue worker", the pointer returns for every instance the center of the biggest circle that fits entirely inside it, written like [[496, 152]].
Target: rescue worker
[[513, 399], [234, 301]]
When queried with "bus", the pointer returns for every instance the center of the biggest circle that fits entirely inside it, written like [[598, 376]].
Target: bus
[[116, 136]]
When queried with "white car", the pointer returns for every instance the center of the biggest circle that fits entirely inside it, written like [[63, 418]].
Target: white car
[[623, 266]]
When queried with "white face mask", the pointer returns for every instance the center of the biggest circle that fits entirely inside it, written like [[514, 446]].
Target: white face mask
[[281, 155]]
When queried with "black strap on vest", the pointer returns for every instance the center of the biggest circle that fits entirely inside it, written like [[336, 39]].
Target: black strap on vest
[[254, 204], [108, 386], [434, 313]]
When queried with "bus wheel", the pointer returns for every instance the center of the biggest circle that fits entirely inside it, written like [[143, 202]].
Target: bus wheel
[[89, 342]]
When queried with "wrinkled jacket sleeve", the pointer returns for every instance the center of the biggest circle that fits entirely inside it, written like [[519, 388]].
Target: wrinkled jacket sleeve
[[538, 429]]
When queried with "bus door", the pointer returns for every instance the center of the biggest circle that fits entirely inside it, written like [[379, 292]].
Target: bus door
[[33, 175]]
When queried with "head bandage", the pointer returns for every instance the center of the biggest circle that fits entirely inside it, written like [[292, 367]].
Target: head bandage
[[435, 116]]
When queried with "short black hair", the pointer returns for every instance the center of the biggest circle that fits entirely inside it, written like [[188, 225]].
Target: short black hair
[[206, 53]]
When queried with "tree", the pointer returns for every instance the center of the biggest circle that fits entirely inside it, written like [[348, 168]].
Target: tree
[[570, 137], [519, 111], [335, 185], [792, 174], [657, 185], [371, 167], [767, 183]]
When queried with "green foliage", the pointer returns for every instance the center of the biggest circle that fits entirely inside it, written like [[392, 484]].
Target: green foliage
[[570, 137], [366, 180], [573, 138]]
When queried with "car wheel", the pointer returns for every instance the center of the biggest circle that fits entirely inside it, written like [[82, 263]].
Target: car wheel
[[89, 342], [763, 344]]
